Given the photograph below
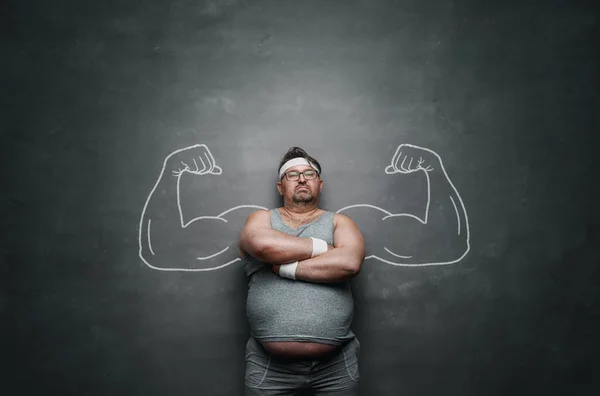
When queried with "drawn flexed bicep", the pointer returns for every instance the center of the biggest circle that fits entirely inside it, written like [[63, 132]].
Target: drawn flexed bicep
[[438, 234], [172, 240]]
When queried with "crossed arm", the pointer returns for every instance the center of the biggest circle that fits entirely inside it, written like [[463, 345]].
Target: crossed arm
[[341, 261]]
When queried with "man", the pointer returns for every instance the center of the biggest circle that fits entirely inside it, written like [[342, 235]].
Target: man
[[299, 259]]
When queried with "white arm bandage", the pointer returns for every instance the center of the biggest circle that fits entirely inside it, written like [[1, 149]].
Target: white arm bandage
[[319, 246], [288, 270]]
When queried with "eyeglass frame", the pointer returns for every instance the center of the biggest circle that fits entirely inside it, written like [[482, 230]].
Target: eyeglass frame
[[301, 174]]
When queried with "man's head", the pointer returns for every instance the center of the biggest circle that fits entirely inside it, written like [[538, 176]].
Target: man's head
[[300, 180]]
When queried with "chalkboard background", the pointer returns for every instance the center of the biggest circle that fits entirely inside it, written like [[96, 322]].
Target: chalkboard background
[[96, 94]]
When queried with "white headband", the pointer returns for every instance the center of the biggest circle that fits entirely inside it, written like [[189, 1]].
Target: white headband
[[295, 162]]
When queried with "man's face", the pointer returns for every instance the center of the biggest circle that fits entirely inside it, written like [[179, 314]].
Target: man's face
[[301, 190]]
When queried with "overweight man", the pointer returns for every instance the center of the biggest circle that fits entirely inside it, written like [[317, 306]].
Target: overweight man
[[299, 260]]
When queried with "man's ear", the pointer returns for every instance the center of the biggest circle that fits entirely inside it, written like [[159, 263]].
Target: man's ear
[[279, 188]]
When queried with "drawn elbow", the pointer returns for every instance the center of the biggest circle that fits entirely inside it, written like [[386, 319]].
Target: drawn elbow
[[459, 244], [451, 251]]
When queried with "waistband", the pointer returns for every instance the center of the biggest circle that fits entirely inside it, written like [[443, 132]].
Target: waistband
[[259, 348]]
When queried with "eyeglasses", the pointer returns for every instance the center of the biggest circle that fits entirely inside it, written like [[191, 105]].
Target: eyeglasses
[[309, 174]]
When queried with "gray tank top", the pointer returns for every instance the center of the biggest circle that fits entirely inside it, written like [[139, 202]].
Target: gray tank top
[[281, 309]]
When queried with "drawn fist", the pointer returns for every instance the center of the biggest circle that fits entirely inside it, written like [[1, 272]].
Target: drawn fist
[[409, 158], [196, 159]]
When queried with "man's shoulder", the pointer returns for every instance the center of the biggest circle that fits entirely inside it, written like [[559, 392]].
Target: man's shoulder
[[340, 219], [262, 211], [259, 215], [339, 216]]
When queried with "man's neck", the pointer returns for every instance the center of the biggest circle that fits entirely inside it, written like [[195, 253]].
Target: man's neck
[[301, 210]]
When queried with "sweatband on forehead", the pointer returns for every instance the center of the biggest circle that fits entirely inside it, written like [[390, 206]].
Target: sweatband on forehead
[[295, 162]]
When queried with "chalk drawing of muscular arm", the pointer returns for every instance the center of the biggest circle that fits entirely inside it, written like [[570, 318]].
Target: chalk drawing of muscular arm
[[168, 239], [171, 241], [439, 235]]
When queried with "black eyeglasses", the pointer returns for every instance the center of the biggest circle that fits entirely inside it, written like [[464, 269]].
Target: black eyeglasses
[[309, 174]]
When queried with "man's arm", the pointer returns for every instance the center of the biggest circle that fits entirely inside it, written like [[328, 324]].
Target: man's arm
[[270, 246], [340, 263]]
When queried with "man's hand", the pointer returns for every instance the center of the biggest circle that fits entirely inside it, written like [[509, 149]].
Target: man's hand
[[275, 268]]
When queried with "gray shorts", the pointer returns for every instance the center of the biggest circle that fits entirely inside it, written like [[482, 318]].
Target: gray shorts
[[335, 375]]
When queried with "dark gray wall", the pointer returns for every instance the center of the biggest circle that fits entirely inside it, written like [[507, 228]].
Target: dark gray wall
[[501, 96]]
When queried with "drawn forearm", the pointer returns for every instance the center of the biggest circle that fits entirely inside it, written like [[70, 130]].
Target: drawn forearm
[[445, 212], [159, 214]]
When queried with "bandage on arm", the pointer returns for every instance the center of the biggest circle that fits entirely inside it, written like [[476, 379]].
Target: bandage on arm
[[288, 270], [319, 246], [342, 262]]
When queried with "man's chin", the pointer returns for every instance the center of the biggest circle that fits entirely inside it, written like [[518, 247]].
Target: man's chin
[[303, 198]]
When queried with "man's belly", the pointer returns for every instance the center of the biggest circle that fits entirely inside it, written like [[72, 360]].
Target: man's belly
[[298, 350], [298, 318]]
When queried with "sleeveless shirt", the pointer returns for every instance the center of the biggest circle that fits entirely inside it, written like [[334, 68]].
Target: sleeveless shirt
[[281, 309]]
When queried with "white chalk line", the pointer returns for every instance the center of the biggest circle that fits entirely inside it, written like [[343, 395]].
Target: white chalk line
[[457, 214], [394, 254], [213, 255], [417, 264], [141, 246], [149, 240], [240, 207], [366, 206], [193, 269]]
